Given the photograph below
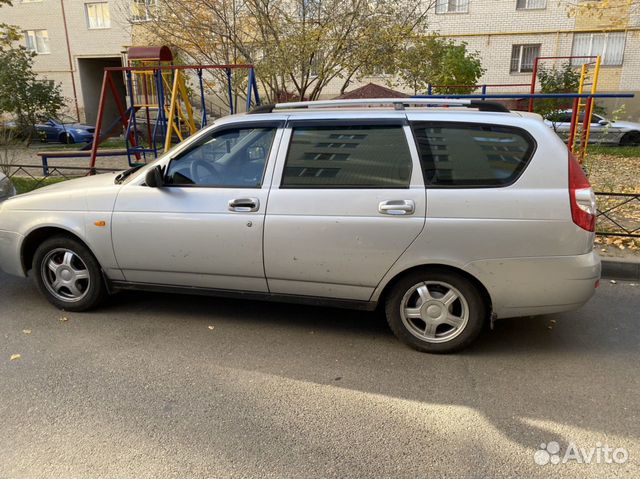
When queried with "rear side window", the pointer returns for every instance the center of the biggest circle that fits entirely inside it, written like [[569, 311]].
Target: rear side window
[[472, 155], [367, 156]]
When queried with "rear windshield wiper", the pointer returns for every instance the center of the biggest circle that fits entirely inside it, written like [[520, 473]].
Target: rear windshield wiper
[[121, 176]]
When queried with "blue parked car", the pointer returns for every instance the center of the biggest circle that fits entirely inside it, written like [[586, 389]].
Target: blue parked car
[[54, 130]]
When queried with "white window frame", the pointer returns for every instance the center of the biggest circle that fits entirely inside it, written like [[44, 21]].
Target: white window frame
[[579, 61], [149, 10], [108, 17], [444, 7], [35, 41], [528, 5], [521, 47]]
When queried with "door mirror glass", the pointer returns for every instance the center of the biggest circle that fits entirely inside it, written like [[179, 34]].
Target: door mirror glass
[[154, 177]]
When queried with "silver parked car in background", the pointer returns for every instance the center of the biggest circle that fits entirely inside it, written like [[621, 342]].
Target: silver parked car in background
[[6, 187], [444, 217], [603, 131]]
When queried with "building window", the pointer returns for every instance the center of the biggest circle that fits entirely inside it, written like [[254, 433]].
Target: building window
[[452, 6], [31, 1], [610, 46], [143, 10], [37, 41], [522, 57], [531, 4], [98, 15]]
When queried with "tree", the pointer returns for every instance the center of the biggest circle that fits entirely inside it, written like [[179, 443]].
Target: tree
[[563, 79], [607, 13], [22, 94], [430, 59], [299, 47]]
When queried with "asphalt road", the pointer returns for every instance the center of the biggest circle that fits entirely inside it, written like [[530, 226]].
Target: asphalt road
[[144, 388]]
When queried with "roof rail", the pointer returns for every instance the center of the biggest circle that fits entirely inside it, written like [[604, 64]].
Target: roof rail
[[397, 103]]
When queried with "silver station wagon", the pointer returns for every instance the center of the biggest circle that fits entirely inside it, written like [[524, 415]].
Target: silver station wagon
[[447, 214]]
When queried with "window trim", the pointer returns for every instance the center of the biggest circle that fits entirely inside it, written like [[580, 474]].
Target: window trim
[[451, 12], [604, 47], [521, 46], [328, 122], [86, 13], [526, 9], [275, 124], [531, 151], [35, 30]]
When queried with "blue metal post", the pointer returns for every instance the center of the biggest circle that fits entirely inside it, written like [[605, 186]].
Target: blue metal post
[[256, 95], [132, 119], [161, 121], [202, 102], [484, 90], [229, 90], [429, 89]]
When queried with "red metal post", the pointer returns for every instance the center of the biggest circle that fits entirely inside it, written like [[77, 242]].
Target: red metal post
[[534, 75], [96, 134]]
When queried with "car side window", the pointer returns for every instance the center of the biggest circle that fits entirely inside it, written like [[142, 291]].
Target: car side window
[[472, 155], [230, 158], [366, 156]]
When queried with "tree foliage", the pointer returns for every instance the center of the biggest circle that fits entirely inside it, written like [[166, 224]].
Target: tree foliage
[[23, 95], [562, 79], [299, 47], [430, 59]]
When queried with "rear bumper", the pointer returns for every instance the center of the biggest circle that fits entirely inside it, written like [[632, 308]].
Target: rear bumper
[[533, 286], [10, 261]]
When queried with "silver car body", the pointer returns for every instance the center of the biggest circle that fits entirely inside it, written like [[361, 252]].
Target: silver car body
[[336, 246], [602, 130]]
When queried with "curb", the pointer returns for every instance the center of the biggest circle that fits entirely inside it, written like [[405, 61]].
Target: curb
[[625, 269]]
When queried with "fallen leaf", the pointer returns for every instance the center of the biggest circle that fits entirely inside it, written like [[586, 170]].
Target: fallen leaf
[[26, 331], [14, 357], [63, 318], [613, 281], [211, 328]]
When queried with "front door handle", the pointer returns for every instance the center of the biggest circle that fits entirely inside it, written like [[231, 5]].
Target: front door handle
[[397, 207], [244, 204]]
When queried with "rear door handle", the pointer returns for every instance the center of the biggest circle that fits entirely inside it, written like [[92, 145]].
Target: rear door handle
[[397, 207], [244, 204]]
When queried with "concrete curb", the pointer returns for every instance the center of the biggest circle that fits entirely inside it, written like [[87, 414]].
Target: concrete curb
[[621, 268]]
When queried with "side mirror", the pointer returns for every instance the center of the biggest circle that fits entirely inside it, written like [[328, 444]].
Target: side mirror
[[603, 122], [154, 177], [257, 153]]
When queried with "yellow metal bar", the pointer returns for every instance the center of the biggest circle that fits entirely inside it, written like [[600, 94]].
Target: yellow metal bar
[[594, 89], [172, 111], [185, 97]]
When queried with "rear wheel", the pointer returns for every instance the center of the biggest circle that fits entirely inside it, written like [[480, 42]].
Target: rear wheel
[[435, 311], [631, 138], [68, 275]]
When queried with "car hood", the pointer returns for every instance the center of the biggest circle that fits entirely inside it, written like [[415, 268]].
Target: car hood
[[70, 195]]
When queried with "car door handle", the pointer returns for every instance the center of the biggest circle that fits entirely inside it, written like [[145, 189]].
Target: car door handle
[[244, 204], [397, 207]]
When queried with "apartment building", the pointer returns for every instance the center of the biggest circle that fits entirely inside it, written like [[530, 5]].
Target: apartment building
[[510, 34], [74, 40]]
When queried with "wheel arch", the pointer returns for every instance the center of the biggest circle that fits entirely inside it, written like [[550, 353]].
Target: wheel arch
[[40, 234], [430, 267]]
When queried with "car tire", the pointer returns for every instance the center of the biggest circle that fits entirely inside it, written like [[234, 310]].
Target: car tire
[[68, 275], [66, 138], [631, 138], [435, 311]]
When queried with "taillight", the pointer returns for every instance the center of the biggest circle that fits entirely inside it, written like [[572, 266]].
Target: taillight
[[583, 201]]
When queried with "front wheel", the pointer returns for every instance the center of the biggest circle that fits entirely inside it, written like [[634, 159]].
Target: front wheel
[[68, 275], [435, 311]]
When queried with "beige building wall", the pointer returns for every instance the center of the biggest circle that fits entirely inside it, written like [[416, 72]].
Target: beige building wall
[[91, 48]]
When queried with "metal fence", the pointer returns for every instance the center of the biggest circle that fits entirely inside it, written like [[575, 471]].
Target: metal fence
[[618, 214]]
